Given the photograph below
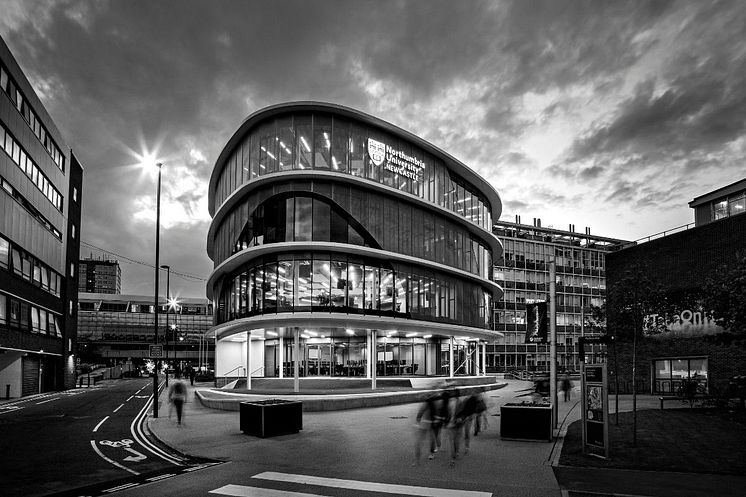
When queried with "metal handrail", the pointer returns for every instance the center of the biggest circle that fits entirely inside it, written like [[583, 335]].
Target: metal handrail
[[260, 368], [225, 376]]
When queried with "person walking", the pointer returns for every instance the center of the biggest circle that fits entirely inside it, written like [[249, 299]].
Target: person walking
[[429, 421], [566, 386], [192, 374], [177, 397]]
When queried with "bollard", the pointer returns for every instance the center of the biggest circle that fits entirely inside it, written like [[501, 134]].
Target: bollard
[[661, 399], [7, 392]]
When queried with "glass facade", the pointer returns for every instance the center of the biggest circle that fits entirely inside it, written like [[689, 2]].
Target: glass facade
[[331, 143], [337, 283], [316, 210]]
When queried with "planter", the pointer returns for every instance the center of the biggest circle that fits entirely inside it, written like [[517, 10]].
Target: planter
[[267, 418], [526, 422]]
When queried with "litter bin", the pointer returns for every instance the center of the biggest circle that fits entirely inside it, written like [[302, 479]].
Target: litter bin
[[541, 386], [268, 418]]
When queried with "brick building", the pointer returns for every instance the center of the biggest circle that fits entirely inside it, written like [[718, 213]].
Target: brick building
[[691, 346]]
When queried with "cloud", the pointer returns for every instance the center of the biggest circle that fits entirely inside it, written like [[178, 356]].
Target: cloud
[[576, 111]]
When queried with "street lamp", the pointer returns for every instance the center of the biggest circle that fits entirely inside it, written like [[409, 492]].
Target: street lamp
[[168, 297], [157, 270]]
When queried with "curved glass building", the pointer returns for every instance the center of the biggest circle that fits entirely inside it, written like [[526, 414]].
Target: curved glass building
[[338, 238]]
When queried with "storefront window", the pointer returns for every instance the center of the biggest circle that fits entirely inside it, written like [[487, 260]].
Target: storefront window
[[720, 210]]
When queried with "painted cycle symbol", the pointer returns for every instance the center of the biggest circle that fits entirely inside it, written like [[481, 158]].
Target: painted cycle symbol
[[122, 443], [125, 444]]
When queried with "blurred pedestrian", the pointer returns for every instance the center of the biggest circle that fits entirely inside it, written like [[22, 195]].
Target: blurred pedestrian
[[429, 422], [192, 374], [177, 397], [566, 386], [455, 423], [466, 416]]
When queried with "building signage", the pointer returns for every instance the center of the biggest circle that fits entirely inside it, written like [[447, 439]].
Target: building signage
[[155, 351], [536, 323], [685, 322], [394, 160]]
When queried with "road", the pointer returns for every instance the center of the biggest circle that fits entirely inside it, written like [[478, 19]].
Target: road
[[81, 441]]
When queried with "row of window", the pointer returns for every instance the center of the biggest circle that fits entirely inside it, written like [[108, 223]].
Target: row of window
[[542, 253], [729, 207], [29, 268], [336, 212], [27, 317], [29, 167], [21, 104], [513, 275], [16, 195], [335, 144], [144, 308], [334, 283]]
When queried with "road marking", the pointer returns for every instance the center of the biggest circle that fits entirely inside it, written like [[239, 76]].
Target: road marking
[[120, 487], [131, 396], [100, 423], [93, 444], [161, 477], [141, 396], [242, 491], [120, 406], [122, 443], [136, 428], [48, 400], [136, 458], [369, 486]]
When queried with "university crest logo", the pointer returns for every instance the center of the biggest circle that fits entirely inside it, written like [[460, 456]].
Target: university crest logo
[[376, 151]]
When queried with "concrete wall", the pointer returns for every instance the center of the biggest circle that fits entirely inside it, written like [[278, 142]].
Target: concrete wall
[[10, 373], [230, 354]]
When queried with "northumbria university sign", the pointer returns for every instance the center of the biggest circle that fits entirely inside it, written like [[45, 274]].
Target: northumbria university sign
[[394, 160]]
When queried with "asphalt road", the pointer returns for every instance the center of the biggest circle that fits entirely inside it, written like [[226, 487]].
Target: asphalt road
[[77, 441]]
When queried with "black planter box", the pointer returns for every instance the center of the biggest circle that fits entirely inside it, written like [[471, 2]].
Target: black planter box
[[526, 422], [267, 418]]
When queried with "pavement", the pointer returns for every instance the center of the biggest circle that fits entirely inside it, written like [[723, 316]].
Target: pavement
[[377, 440]]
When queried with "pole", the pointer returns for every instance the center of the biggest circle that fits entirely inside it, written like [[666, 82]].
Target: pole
[[553, 339], [296, 353], [157, 269], [373, 359], [168, 299]]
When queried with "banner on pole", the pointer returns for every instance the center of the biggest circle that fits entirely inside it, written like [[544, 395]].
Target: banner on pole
[[536, 322]]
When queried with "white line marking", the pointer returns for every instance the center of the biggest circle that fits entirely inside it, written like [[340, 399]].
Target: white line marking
[[48, 400], [242, 491], [160, 477], [139, 436], [120, 406], [369, 486], [93, 444], [120, 487], [131, 396], [100, 423]]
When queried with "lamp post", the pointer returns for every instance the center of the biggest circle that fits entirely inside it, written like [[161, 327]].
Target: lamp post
[[168, 298], [157, 270]]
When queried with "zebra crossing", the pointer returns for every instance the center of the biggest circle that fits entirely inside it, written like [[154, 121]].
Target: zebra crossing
[[336, 483]]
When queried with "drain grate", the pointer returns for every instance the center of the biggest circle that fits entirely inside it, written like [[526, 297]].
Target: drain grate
[[397, 417]]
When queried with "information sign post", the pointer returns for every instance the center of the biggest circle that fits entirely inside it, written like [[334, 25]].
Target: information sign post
[[594, 388]]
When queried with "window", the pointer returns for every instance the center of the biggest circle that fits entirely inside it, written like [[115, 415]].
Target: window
[[34, 319], [72, 270], [737, 205], [720, 210], [75, 194], [4, 253], [3, 309]]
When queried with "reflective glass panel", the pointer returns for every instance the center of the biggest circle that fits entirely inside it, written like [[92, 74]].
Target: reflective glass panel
[[270, 287], [355, 286], [303, 296], [322, 128], [357, 150], [320, 291], [387, 290], [338, 283], [305, 140], [340, 141], [286, 145], [372, 296], [303, 218]]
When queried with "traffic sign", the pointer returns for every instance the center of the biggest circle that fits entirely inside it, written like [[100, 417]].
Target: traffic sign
[[155, 351]]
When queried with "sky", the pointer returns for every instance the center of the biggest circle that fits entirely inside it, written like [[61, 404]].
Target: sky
[[603, 114]]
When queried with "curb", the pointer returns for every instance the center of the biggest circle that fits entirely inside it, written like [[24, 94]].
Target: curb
[[341, 401]]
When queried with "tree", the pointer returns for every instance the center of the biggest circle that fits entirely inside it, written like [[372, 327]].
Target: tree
[[724, 295], [630, 302]]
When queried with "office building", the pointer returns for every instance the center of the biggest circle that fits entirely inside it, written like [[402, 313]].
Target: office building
[[99, 276], [40, 203], [344, 245], [523, 272], [113, 329]]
